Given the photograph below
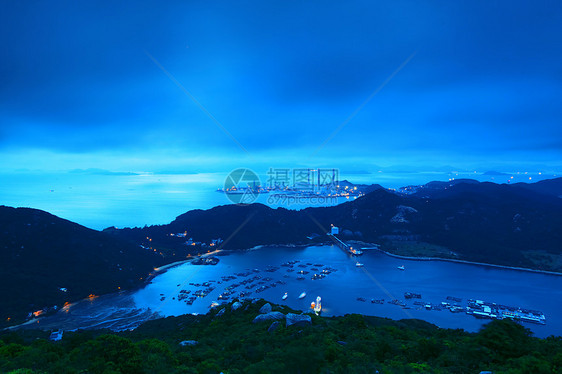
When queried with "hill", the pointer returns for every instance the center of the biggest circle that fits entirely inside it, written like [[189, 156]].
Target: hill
[[484, 222], [229, 341], [364, 188], [41, 253], [548, 187]]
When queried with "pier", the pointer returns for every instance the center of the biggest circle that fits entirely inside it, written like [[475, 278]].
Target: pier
[[337, 241], [343, 246]]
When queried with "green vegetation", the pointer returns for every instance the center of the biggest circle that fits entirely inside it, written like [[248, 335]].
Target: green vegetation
[[544, 260], [231, 343], [418, 249]]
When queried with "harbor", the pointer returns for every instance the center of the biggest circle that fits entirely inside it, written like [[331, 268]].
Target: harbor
[[243, 285], [298, 283], [437, 292]]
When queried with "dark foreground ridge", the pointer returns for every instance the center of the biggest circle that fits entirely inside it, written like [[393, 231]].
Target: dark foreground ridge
[[230, 339]]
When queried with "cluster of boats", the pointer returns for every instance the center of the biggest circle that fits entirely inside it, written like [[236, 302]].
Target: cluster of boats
[[253, 282], [320, 271], [242, 284], [476, 308], [483, 309]]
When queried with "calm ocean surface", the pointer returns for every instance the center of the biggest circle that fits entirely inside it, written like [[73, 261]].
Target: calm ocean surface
[[378, 279]]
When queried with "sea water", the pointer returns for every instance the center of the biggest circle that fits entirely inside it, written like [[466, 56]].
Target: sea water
[[379, 278]]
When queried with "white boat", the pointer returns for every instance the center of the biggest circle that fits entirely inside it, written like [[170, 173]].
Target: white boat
[[401, 267], [317, 306], [285, 296], [302, 295], [358, 264]]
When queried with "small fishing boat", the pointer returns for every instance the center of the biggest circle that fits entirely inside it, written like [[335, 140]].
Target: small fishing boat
[[285, 296], [317, 306], [302, 295], [401, 267]]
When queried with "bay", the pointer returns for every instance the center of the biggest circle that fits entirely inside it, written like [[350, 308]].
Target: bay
[[380, 278]]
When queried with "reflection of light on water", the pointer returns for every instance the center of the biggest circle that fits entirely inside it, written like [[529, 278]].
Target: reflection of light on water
[[325, 311], [66, 307]]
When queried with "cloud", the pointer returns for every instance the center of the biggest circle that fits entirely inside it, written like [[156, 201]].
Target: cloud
[[281, 77]]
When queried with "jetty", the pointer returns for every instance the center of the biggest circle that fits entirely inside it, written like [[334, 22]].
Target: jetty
[[341, 244], [337, 241]]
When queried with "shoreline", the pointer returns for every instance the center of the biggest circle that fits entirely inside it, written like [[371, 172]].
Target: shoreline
[[466, 262], [411, 258], [370, 246], [162, 269], [255, 248]]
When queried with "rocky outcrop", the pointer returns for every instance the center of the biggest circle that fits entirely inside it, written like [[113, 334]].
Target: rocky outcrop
[[188, 343], [266, 308], [298, 319], [274, 326], [220, 313], [235, 306], [268, 317]]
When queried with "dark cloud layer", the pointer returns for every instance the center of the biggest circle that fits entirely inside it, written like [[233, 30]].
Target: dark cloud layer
[[486, 76]]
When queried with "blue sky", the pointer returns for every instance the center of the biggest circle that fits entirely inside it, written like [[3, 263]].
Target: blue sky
[[78, 89]]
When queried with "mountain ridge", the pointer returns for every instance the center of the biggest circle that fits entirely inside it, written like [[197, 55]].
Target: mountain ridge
[[483, 222]]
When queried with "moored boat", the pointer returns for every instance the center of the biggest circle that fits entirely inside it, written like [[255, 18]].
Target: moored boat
[[316, 305]]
